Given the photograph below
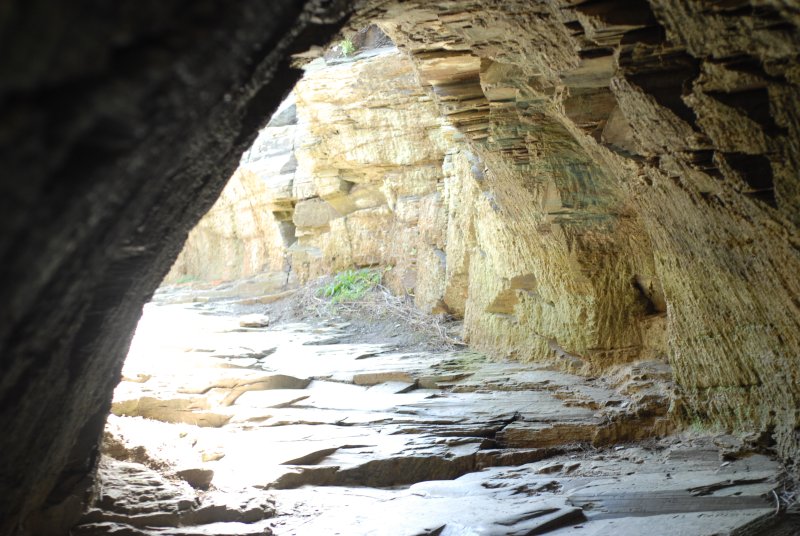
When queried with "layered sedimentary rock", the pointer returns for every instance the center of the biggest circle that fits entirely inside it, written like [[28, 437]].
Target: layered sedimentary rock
[[370, 153], [249, 228], [657, 144], [369, 173], [237, 239], [341, 174], [591, 182]]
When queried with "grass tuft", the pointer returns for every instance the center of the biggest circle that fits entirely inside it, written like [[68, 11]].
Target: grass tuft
[[350, 285], [347, 46]]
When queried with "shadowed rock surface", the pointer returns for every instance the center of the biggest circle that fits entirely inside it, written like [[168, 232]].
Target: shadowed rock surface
[[120, 126]]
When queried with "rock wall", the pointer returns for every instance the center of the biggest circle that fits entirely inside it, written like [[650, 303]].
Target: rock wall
[[238, 238], [588, 183], [370, 150], [539, 254], [658, 146], [341, 175]]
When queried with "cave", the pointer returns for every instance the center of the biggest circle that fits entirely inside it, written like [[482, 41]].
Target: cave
[[586, 186]]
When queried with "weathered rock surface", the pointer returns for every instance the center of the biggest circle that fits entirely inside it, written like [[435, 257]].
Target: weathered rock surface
[[408, 443], [237, 238], [135, 500], [378, 176], [585, 183], [565, 495], [341, 172], [637, 158]]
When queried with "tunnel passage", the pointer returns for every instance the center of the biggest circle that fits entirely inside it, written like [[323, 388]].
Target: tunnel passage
[[119, 129]]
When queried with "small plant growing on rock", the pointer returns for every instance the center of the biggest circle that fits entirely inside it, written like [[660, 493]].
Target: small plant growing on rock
[[184, 279], [350, 285], [359, 295], [347, 46]]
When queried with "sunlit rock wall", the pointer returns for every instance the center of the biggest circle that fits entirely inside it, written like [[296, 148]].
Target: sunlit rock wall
[[238, 238], [587, 184], [339, 178], [370, 151], [249, 228], [659, 146], [476, 196]]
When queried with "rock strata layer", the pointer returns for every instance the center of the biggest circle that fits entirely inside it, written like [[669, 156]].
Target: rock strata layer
[[588, 183]]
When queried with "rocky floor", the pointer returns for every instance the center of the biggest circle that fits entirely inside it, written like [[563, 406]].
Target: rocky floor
[[224, 425]]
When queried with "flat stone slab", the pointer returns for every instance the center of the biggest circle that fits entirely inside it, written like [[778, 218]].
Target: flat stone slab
[[369, 439], [582, 496]]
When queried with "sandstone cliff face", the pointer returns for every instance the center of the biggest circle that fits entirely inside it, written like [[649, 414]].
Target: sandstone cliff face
[[369, 156], [239, 237], [538, 253], [658, 144], [338, 178], [588, 183]]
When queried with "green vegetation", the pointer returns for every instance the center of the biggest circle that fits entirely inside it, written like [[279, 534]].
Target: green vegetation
[[704, 426], [347, 46], [350, 285], [698, 427]]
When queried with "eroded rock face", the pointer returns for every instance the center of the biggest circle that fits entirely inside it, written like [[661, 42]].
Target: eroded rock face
[[655, 145], [238, 238], [349, 172], [591, 183], [371, 174]]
